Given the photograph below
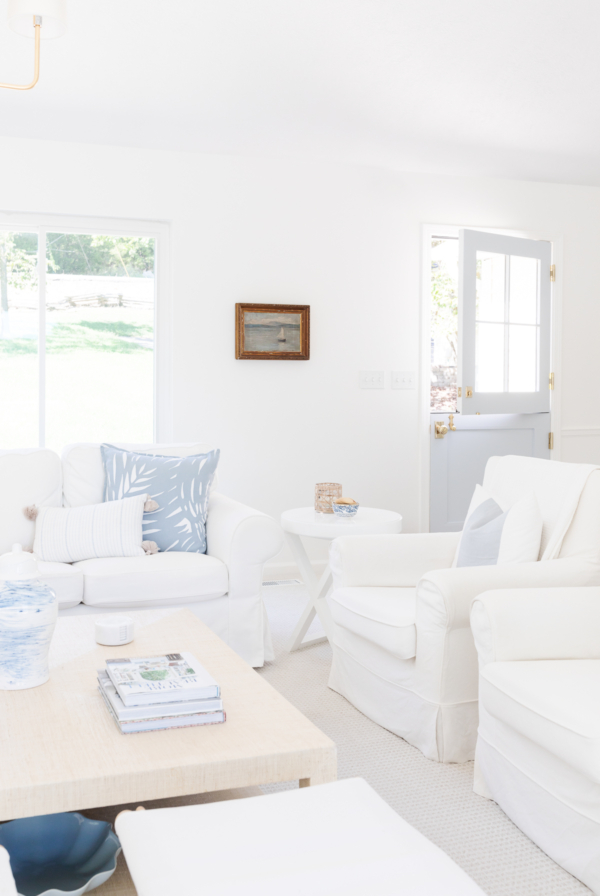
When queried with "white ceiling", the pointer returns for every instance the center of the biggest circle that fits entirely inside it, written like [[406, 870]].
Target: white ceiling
[[504, 88]]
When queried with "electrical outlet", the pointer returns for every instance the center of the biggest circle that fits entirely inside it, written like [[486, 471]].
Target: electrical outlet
[[371, 379], [403, 379]]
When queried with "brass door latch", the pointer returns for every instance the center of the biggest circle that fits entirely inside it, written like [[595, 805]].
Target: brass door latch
[[441, 429]]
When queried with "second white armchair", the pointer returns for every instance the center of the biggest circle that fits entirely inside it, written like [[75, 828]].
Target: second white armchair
[[403, 651], [538, 749]]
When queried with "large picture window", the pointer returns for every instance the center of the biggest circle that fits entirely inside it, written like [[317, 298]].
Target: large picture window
[[77, 337]]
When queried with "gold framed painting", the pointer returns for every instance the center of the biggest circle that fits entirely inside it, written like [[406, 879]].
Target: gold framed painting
[[272, 332]]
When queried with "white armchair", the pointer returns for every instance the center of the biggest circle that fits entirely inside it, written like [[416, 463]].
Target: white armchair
[[403, 652], [538, 748]]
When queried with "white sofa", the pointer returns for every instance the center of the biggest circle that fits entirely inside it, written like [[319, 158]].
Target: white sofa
[[538, 748], [222, 587], [403, 652]]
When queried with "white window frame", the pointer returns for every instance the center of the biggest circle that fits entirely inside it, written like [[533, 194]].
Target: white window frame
[[505, 402], [25, 222], [424, 385]]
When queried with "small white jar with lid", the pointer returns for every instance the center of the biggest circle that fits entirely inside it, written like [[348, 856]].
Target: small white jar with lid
[[113, 630], [28, 612]]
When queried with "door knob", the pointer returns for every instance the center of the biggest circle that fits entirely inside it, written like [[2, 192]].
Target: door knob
[[451, 423], [440, 430]]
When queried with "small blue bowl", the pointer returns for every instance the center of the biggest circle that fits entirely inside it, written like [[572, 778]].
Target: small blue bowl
[[345, 511], [53, 855]]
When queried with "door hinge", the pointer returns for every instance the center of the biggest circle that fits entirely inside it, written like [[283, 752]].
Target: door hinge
[[551, 381], [460, 391], [552, 273], [550, 440]]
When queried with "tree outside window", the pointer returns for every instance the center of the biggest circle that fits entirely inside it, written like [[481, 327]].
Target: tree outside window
[[444, 323]]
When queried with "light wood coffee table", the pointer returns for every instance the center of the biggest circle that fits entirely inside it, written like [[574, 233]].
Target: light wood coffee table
[[61, 751]]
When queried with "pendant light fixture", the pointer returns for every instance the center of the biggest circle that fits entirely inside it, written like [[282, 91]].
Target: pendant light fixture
[[39, 19]]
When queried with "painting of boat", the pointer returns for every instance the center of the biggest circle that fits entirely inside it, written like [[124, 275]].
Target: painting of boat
[[272, 332]]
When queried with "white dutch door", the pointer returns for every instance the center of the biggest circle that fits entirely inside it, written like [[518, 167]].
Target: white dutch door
[[491, 315]]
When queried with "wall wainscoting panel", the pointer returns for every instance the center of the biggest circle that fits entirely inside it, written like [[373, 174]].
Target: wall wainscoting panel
[[584, 431], [581, 445]]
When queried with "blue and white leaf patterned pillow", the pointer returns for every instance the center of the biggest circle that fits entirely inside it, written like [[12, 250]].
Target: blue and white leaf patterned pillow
[[179, 485]]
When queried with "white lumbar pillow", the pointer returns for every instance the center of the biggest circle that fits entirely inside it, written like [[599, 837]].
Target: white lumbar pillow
[[112, 529], [494, 536]]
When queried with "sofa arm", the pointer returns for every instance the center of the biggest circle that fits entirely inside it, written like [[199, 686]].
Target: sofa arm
[[537, 624], [444, 597], [389, 560], [244, 539], [239, 535]]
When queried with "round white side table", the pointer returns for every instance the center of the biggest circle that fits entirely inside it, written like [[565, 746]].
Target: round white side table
[[305, 521]]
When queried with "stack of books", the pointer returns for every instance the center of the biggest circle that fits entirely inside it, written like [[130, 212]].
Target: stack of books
[[157, 692]]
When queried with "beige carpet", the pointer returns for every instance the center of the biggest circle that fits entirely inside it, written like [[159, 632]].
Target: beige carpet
[[436, 799]]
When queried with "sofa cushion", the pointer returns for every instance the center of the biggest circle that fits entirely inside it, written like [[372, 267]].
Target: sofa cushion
[[384, 616], [114, 529], [553, 703], [492, 536], [83, 472], [179, 486], [65, 581], [152, 580], [555, 485], [583, 536], [26, 477]]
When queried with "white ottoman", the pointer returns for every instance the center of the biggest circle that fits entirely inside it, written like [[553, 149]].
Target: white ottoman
[[7, 881], [338, 838]]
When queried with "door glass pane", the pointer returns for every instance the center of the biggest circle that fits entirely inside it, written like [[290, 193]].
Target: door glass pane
[[491, 268], [506, 355], [444, 323], [524, 290], [489, 357], [19, 371], [522, 358], [100, 338]]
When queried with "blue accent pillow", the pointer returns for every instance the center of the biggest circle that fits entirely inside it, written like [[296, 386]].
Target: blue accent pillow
[[179, 485], [481, 536]]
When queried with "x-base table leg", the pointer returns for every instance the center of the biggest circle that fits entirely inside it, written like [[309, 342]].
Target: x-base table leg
[[317, 603]]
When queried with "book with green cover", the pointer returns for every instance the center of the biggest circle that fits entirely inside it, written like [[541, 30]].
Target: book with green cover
[[140, 681], [156, 710]]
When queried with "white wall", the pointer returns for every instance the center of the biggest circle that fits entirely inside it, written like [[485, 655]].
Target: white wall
[[345, 240]]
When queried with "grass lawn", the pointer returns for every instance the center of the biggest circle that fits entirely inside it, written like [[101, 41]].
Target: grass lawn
[[99, 379]]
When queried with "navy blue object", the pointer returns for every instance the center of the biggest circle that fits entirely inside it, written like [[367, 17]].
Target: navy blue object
[[61, 852], [179, 485]]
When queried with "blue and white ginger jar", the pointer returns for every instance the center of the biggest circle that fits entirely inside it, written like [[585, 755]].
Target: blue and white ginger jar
[[28, 611]]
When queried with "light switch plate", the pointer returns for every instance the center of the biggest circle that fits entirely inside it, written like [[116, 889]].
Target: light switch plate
[[371, 379], [404, 379]]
